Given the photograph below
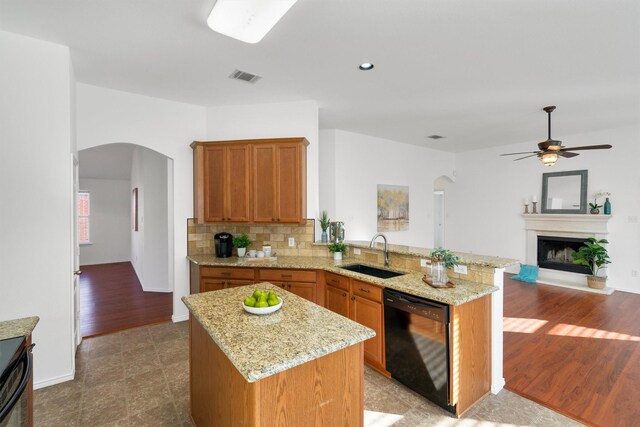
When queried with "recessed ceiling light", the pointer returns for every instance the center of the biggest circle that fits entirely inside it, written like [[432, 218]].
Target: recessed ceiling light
[[436, 136], [365, 66]]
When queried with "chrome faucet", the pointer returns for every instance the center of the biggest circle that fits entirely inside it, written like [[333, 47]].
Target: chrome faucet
[[386, 248]]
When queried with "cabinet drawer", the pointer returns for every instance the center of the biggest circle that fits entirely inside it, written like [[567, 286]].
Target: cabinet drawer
[[227, 272], [366, 290], [275, 274], [337, 281]]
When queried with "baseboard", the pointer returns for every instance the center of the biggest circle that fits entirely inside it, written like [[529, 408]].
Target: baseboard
[[156, 290], [53, 381], [495, 388], [181, 318]]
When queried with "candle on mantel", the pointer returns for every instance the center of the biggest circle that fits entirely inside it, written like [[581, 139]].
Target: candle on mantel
[[525, 201], [535, 199]]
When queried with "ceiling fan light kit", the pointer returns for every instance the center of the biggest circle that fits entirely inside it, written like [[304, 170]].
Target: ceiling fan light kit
[[247, 20], [550, 150]]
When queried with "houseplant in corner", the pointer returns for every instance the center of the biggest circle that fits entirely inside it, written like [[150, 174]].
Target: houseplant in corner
[[324, 225], [441, 259], [338, 250], [241, 242], [594, 256]]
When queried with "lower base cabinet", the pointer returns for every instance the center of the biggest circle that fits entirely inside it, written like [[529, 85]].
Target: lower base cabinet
[[362, 303]]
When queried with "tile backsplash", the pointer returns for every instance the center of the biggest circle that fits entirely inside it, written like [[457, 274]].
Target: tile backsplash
[[200, 237]]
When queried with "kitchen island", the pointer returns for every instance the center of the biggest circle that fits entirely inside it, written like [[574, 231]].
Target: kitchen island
[[302, 365]]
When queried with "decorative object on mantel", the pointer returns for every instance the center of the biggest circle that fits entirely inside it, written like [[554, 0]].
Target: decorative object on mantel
[[606, 204], [441, 259], [593, 255], [594, 208], [551, 150], [241, 242], [526, 206], [534, 201], [324, 225], [565, 192], [338, 249]]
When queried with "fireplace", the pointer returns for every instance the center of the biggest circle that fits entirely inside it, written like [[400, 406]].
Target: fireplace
[[555, 253]]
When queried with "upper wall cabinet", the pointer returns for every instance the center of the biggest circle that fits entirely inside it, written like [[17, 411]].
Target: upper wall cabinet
[[255, 181]]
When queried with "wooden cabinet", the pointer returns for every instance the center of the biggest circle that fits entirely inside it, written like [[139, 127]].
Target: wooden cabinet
[[362, 303], [255, 181], [299, 282], [222, 182], [279, 182], [216, 278], [366, 309]]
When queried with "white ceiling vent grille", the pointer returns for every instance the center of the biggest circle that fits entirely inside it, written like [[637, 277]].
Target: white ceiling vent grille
[[244, 76]]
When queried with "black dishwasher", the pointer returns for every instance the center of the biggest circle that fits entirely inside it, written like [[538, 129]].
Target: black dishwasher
[[416, 345]]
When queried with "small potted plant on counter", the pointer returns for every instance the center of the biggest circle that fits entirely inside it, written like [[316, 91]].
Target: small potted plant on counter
[[594, 256], [324, 225], [441, 259], [338, 250], [241, 242]]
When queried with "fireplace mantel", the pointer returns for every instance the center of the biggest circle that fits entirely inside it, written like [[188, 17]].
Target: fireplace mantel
[[563, 225]]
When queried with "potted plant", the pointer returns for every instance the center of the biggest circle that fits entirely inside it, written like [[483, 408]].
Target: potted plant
[[338, 250], [594, 208], [594, 256], [241, 242], [441, 259], [324, 225]]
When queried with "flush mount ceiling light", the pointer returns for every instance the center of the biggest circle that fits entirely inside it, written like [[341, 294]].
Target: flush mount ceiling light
[[365, 66], [247, 20]]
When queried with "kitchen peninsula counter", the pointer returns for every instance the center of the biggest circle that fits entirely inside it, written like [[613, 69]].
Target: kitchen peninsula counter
[[18, 327], [411, 282], [302, 365]]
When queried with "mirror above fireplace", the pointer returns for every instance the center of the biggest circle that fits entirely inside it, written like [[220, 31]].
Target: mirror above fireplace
[[564, 192]]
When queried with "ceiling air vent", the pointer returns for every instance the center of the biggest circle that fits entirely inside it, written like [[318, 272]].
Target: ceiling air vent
[[244, 76], [436, 136]]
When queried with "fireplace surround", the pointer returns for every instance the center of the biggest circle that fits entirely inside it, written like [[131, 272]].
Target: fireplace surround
[[563, 227]]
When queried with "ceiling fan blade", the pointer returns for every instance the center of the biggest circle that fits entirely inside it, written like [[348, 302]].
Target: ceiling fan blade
[[524, 152], [588, 147], [567, 154], [526, 157]]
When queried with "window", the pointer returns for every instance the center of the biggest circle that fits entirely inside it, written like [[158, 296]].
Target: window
[[84, 212]]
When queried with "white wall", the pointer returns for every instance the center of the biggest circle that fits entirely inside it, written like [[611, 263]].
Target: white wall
[[36, 113], [291, 119], [485, 204], [150, 244], [353, 166], [110, 221], [106, 116]]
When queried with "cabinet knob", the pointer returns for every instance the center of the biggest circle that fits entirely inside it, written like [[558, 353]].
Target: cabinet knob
[[344, 294], [353, 298]]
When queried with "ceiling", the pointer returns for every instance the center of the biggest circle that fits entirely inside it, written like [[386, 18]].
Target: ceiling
[[477, 72]]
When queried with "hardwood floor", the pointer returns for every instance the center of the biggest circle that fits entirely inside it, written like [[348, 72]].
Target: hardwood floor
[[575, 352], [112, 299]]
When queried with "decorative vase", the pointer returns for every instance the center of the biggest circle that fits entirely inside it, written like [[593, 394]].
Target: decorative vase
[[594, 211], [596, 282], [337, 256], [439, 273], [242, 252], [324, 237], [607, 207]]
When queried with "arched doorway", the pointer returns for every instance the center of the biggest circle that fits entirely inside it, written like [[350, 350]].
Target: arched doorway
[[127, 252], [440, 187]]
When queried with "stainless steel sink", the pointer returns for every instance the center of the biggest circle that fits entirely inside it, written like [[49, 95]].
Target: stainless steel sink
[[372, 271]]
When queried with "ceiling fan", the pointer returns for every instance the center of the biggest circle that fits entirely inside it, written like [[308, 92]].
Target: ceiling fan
[[551, 149]]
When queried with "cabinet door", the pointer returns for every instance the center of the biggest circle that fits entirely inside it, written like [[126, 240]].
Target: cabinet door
[[214, 183], [303, 290], [337, 300], [288, 205], [207, 285], [264, 183], [237, 283], [237, 183], [369, 313]]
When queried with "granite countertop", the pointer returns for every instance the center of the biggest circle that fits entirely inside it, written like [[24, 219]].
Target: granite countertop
[[17, 327], [259, 346], [411, 282], [465, 258]]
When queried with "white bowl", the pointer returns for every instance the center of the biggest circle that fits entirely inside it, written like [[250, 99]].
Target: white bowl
[[263, 310]]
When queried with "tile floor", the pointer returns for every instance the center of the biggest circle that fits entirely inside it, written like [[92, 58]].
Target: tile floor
[[140, 378]]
